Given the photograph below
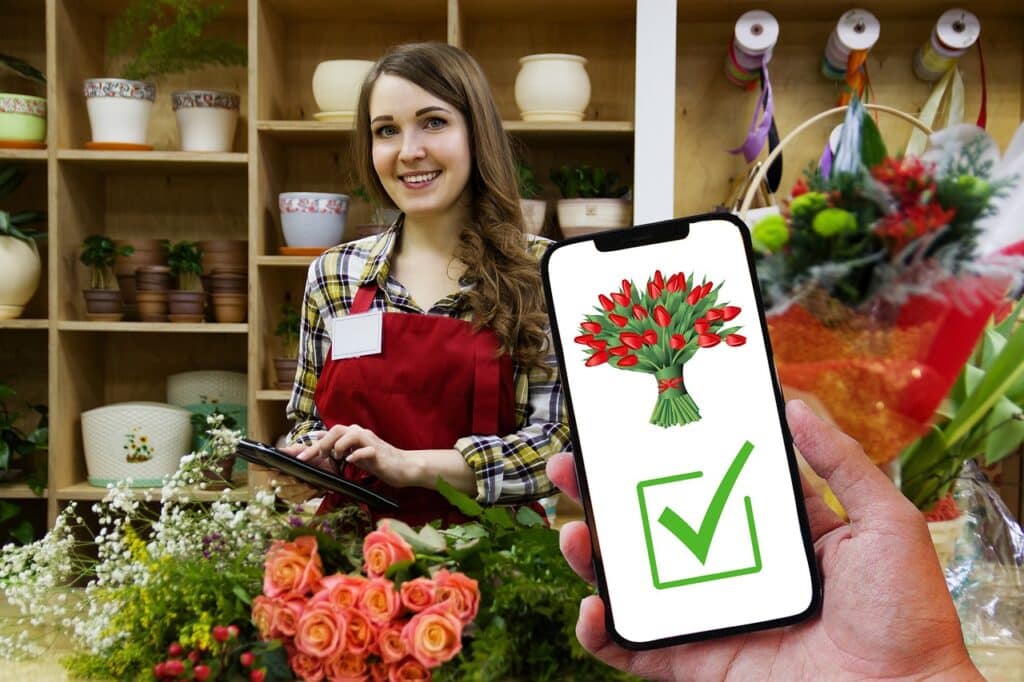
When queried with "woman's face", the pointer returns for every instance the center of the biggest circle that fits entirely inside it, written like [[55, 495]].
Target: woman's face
[[420, 147]]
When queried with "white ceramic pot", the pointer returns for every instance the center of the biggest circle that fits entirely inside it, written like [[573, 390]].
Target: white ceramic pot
[[141, 440], [312, 218], [22, 118], [21, 267], [206, 119], [119, 109], [552, 87], [594, 214], [336, 86], [533, 214]]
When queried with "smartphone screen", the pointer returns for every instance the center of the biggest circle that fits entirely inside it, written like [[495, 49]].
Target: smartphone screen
[[685, 464]]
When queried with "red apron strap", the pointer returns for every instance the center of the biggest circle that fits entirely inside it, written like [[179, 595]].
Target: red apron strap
[[363, 299]]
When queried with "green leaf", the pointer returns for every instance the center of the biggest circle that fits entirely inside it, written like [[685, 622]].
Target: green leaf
[[242, 595], [432, 539], [6, 392], [500, 517], [992, 345], [872, 148], [458, 499], [23, 532], [22, 68], [5, 455], [526, 516], [8, 511], [1005, 428]]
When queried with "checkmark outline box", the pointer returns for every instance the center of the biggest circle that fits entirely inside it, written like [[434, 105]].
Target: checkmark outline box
[[658, 584]]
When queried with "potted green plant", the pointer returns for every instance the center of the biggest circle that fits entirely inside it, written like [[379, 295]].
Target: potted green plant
[[23, 116], [288, 331], [591, 200], [163, 37], [382, 218], [186, 303], [103, 297], [534, 209], [19, 255], [17, 446]]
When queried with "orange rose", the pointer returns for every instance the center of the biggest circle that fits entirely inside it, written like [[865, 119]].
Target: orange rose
[[321, 632], [379, 601], [433, 636], [286, 618], [409, 670], [292, 568], [346, 668], [305, 667], [341, 590], [459, 592], [361, 635], [418, 594], [264, 609], [382, 548], [391, 644]]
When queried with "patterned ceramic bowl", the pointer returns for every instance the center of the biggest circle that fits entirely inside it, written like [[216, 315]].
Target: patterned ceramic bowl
[[22, 117], [313, 218]]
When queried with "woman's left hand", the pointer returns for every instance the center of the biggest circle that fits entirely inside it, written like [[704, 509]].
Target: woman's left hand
[[366, 450]]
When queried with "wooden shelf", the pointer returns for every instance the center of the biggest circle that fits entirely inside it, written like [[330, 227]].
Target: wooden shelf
[[305, 132], [153, 327], [29, 155], [534, 10], [285, 261], [274, 395], [24, 324], [315, 132], [157, 161], [110, 8], [359, 10], [85, 491], [19, 491]]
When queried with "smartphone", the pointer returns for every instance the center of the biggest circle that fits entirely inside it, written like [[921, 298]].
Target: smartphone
[[265, 455], [685, 463]]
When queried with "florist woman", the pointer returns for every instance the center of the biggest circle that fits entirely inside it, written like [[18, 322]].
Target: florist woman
[[446, 370]]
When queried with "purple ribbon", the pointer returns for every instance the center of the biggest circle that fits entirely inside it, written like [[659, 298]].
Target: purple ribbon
[[825, 162], [758, 132]]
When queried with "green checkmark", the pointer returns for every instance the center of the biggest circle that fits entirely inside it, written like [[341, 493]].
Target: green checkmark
[[699, 541]]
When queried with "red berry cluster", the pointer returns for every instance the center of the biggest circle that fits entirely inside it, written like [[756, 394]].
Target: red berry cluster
[[205, 664]]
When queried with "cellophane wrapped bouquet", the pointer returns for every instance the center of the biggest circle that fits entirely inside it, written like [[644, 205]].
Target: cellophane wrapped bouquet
[[881, 273]]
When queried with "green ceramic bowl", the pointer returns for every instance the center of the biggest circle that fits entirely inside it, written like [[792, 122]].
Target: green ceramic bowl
[[22, 118]]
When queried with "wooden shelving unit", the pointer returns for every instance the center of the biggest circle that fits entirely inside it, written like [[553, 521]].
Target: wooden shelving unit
[[54, 356]]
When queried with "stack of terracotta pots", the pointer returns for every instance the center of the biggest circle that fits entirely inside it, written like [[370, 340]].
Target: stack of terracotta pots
[[226, 278], [147, 253], [152, 283]]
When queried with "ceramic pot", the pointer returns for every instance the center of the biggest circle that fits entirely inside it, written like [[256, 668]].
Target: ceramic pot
[[143, 441], [145, 252], [285, 368], [312, 219], [206, 119], [103, 305], [227, 283], [336, 86], [21, 265], [552, 87], [119, 109], [229, 308], [186, 306], [221, 254], [22, 118], [533, 214], [584, 216], [152, 278], [152, 305]]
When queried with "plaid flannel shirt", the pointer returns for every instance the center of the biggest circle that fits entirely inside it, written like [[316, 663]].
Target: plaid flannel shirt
[[509, 467]]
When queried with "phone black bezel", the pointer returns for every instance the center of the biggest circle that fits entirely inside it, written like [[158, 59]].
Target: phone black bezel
[[673, 230], [264, 455]]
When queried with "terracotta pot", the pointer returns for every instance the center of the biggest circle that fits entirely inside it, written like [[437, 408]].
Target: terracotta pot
[[147, 252], [228, 283], [152, 305], [186, 306], [285, 368], [152, 278], [222, 245], [21, 265], [220, 476], [103, 305], [230, 308]]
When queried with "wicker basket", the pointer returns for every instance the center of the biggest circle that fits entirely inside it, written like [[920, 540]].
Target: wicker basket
[[143, 441]]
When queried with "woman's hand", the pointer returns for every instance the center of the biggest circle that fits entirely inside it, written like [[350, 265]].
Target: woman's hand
[[363, 448]]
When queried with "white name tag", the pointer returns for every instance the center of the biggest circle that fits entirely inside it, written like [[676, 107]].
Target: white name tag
[[356, 335]]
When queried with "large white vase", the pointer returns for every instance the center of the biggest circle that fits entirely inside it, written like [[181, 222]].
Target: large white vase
[[336, 86], [21, 267], [119, 109], [552, 87]]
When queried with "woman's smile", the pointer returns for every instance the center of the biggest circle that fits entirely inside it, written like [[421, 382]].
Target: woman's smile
[[419, 179]]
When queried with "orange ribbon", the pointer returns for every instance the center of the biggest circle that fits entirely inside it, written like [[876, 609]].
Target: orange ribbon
[[856, 76]]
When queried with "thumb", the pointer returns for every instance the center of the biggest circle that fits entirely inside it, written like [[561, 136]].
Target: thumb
[[862, 489]]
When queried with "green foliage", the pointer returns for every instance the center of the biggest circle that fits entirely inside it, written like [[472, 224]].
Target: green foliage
[[15, 444], [22, 530], [186, 261], [99, 253], [22, 68], [529, 188], [288, 329], [168, 36], [983, 417], [585, 182], [14, 224]]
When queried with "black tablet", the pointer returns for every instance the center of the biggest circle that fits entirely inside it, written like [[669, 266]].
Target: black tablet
[[264, 455]]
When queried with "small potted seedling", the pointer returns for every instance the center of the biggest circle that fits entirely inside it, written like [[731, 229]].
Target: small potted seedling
[[591, 200], [187, 301], [103, 297], [533, 208], [288, 331]]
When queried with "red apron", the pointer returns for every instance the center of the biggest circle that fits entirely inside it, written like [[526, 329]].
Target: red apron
[[435, 380]]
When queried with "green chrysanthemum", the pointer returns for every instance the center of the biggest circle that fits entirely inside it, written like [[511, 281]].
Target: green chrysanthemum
[[771, 232], [834, 221], [808, 204]]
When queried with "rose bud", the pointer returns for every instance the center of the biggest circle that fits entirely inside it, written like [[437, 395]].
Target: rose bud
[[735, 339], [201, 672], [627, 289], [708, 340], [598, 344], [714, 314], [653, 290], [592, 327], [174, 650], [661, 316], [628, 361], [632, 340], [658, 279], [676, 341], [618, 320], [620, 351], [694, 296], [606, 302], [682, 281], [246, 659], [706, 290], [597, 358], [701, 326], [673, 283], [650, 337], [585, 339], [729, 312], [639, 312], [620, 299]]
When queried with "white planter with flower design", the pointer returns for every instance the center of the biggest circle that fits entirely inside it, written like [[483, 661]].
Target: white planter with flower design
[[552, 87], [119, 109], [22, 118], [21, 267], [312, 219], [143, 441], [206, 119]]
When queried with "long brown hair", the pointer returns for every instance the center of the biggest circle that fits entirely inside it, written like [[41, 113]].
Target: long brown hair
[[507, 296]]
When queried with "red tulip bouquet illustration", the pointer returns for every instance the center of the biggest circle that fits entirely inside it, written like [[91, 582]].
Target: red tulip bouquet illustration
[[658, 330]]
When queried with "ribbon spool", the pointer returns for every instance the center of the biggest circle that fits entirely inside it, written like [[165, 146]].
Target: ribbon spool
[[846, 51], [955, 32]]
